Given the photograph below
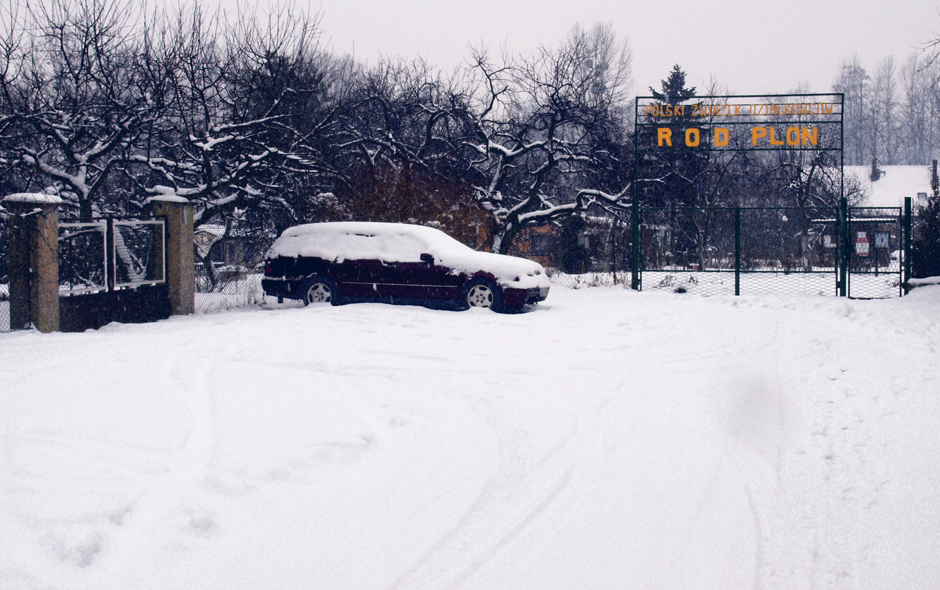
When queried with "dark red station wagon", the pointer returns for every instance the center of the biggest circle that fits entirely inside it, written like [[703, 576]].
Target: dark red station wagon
[[398, 263]]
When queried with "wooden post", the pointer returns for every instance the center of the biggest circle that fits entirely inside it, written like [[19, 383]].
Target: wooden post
[[34, 261]]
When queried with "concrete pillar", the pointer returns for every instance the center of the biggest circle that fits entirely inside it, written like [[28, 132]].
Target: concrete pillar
[[34, 260], [180, 259]]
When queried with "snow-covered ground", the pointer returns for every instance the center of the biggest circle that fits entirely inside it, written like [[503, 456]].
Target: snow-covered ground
[[608, 439]]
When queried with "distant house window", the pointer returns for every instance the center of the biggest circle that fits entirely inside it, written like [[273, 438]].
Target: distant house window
[[921, 197], [539, 245]]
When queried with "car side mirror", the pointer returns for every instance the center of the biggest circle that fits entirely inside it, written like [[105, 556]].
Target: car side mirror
[[427, 258]]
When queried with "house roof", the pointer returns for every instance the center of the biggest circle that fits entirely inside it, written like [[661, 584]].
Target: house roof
[[894, 183]]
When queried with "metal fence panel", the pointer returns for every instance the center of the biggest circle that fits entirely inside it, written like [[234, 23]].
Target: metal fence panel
[[83, 264], [137, 254], [111, 254], [4, 275]]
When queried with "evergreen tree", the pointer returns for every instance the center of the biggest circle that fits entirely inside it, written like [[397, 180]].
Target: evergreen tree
[[673, 88], [925, 251], [682, 169]]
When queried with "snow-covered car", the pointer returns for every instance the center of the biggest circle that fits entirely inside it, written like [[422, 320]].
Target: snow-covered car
[[399, 263]]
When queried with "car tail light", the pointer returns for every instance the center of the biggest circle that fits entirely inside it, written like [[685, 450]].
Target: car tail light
[[267, 268]]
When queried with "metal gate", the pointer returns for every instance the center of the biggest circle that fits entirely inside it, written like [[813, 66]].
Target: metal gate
[[112, 270], [876, 245]]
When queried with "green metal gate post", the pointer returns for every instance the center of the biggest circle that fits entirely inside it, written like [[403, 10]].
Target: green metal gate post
[[636, 279], [737, 251], [843, 256], [907, 232]]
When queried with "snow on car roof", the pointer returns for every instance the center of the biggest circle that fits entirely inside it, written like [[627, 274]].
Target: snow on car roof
[[388, 242]]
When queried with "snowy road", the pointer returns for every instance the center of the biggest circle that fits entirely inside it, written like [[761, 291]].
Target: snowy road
[[608, 439]]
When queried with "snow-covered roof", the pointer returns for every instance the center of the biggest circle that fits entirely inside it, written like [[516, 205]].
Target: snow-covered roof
[[894, 183]]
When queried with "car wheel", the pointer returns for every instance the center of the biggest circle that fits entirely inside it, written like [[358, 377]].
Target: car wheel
[[481, 293], [319, 290]]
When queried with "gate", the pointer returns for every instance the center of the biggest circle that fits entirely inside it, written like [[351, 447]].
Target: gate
[[877, 248], [112, 270]]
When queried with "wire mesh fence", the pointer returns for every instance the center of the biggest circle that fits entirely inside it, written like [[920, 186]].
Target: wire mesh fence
[[709, 283], [227, 288], [853, 251], [4, 276]]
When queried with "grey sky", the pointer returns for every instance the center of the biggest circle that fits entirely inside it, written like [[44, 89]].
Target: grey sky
[[748, 46]]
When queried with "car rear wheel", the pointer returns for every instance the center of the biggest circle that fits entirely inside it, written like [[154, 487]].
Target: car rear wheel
[[481, 293], [319, 290]]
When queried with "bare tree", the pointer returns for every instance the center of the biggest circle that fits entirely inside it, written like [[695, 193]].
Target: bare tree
[[885, 106], [543, 128], [921, 108], [854, 83], [73, 92]]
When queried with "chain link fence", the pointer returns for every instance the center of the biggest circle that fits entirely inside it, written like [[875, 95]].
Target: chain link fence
[[4, 275], [227, 288], [854, 251]]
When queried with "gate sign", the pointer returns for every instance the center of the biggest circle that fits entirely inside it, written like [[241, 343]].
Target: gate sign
[[741, 123], [861, 243]]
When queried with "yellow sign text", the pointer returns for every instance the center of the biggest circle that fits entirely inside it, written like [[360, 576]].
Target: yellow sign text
[[721, 136]]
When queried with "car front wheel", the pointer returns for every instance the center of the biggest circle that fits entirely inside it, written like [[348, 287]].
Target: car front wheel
[[481, 293], [319, 290]]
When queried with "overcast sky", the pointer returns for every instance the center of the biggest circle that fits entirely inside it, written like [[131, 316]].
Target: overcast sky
[[749, 46]]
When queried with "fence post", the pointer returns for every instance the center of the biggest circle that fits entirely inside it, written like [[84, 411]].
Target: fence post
[[844, 247], [180, 260], [34, 261], [907, 231], [737, 251], [636, 278]]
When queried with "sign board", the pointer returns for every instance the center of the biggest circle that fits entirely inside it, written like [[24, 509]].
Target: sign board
[[740, 123]]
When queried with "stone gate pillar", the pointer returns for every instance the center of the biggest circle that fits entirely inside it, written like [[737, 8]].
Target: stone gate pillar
[[34, 260], [180, 259]]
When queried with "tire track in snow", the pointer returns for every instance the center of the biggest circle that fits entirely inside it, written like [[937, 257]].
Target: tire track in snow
[[717, 384], [524, 488], [166, 509], [529, 483]]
